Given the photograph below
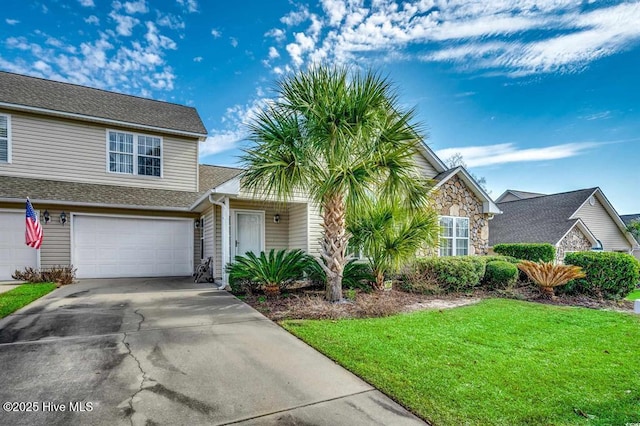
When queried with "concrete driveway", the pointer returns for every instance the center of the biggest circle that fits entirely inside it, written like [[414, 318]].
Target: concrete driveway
[[170, 352]]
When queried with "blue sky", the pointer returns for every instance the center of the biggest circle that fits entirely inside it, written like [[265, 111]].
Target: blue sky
[[539, 96]]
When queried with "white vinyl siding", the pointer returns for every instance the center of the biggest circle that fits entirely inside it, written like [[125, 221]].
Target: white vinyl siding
[[134, 154], [425, 167], [46, 143], [208, 232], [5, 138], [603, 227], [298, 227], [315, 229], [454, 236]]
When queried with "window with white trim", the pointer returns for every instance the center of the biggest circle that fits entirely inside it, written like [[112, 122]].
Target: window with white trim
[[454, 236], [134, 154], [5, 138]]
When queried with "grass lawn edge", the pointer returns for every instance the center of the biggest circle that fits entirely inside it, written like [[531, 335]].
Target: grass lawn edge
[[23, 295]]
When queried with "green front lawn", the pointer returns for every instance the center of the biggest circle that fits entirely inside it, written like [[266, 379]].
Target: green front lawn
[[21, 296], [634, 295], [499, 362]]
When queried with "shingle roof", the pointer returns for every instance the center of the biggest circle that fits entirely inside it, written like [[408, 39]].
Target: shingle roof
[[51, 95], [543, 219], [113, 195], [628, 218]]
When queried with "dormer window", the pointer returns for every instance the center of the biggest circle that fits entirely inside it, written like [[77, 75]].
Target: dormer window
[[135, 154]]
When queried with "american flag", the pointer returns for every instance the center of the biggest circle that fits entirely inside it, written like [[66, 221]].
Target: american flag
[[33, 234]]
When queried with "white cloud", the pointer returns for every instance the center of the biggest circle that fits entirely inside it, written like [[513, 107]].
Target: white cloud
[[190, 5], [295, 17], [598, 116], [478, 156], [170, 21], [278, 34], [221, 141], [198, 59], [139, 6], [86, 3], [273, 53], [92, 19], [215, 33], [494, 36], [233, 41], [11, 21], [124, 23]]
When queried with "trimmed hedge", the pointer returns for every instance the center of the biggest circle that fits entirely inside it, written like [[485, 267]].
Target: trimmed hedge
[[451, 274], [534, 252], [493, 258], [609, 275], [500, 274]]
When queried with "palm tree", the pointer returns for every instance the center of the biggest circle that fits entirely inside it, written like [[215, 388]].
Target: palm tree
[[389, 236], [339, 137], [549, 275]]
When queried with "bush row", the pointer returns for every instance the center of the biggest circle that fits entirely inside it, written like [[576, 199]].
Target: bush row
[[533, 252], [459, 274], [608, 275]]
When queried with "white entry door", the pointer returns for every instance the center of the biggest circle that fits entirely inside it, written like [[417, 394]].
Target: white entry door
[[14, 253], [248, 232]]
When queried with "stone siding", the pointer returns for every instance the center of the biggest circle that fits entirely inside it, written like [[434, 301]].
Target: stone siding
[[575, 240], [455, 199]]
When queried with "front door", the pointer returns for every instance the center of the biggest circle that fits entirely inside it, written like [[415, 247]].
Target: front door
[[249, 232]]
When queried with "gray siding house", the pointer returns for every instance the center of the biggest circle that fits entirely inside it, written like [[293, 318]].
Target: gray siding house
[[579, 220]]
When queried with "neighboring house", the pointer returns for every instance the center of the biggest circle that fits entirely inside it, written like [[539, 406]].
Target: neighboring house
[[513, 195], [116, 182], [627, 219], [579, 220]]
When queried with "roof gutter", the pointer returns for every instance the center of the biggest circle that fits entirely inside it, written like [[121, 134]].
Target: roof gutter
[[111, 206], [201, 136]]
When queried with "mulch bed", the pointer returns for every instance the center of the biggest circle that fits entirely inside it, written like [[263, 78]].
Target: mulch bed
[[310, 304]]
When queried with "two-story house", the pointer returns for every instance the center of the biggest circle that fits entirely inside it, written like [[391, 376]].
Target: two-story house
[[119, 191]]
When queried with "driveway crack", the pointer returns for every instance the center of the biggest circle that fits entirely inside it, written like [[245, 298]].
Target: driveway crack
[[141, 318], [144, 375]]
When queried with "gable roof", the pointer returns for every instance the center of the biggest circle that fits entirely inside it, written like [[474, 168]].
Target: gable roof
[[488, 206], [43, 191], [85, 103], [543, 219], [518, 194]]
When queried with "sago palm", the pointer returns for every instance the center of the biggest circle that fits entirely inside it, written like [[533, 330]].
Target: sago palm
[[389, 236], [338, 137], [548, 275]]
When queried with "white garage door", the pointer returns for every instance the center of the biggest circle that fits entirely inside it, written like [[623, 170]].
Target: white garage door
[[109, 247], [14, 253]]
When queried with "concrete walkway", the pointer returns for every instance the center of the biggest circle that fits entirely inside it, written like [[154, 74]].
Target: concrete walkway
[[6, 286], [170, 352]]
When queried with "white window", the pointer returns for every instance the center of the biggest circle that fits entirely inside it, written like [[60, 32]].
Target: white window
[[134, 154], [5, 138], [454, 236]]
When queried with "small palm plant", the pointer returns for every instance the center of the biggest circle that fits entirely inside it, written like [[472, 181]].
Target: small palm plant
[[391, 235], [273, 271], [547, 275]]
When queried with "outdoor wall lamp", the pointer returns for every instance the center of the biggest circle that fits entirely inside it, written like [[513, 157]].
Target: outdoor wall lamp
[[276, 218], [46, 216], [196, 223], [63, 218]]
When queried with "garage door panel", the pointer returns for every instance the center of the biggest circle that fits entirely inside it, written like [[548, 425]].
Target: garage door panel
[[14, 253], [132, 247]]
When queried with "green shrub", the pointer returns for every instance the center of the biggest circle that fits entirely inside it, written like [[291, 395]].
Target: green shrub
[[534, 252], [356, 274], [500, 274], [493, 258], [279, 268], [609, 275], [452, 274]]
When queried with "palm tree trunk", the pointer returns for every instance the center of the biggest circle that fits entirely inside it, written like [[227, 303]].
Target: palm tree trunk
[[334, 244], [379, 280]]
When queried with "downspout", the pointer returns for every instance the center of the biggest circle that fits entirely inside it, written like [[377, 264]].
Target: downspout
[[224, 237]]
